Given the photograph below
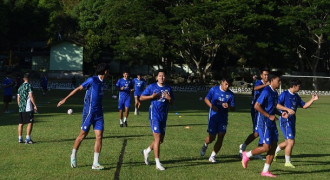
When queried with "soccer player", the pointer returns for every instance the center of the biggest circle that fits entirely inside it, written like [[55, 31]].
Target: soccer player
[[160, 95], [44, 83], [219, 99], [7, 92], [124, 101], [139, 85], [26, 107], [266, 106], [292, 100], [92, 113], [259, 85]]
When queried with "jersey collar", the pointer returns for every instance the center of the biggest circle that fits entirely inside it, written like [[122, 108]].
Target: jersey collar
[[100, 78], [160, 85], [290, 92], [221, 89], [271, 88]]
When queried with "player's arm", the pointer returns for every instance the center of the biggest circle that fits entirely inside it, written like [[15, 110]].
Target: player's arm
[[283, 108], [258, 107], [315, 97], [152, 96], [209, 104], [33, 101], [169, 98], [71, 94], [256, 88]]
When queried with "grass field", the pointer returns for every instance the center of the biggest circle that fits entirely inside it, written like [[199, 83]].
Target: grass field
[[55, 131]]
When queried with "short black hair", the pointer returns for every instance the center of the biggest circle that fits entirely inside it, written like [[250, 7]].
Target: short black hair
[[161, 70], [263, 69], [273, 75], [26, 75], [101, 68], [226, 78], [294, 82]]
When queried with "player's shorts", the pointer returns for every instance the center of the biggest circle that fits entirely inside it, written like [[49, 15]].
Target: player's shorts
[[124, 101], [26, 117], [138, 94], [157, 125], [7, 98], [95, 118], [254, 118], [217, 124], [267, 135], [260, 126], [288, 127]]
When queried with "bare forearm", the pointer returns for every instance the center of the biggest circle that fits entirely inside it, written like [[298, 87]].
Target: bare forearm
[[309, 103]]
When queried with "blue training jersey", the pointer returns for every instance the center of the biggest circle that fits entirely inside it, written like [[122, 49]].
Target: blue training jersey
[[268, 101], [158, 106], [139, 85], [290, 100], [8, 91], [94, 94], [127, 84], [217, 96], [257, 93]]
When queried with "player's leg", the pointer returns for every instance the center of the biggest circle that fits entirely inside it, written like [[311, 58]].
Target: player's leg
[[288, 151], [284, 125], [269, 160], [158, 139], [28, 119], [121, 107], [121, 117], [217, 146], [127, 105], [145, 152], [212, 129], [20, 127], [98, 124], [136, 104]]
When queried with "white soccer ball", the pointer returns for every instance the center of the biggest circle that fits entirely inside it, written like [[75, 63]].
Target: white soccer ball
[[114, 97], [70, 111]]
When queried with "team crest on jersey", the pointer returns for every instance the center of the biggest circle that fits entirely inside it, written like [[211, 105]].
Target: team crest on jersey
[[227, 96]]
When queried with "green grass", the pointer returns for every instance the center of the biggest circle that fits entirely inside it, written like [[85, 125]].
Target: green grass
[[55, 131]]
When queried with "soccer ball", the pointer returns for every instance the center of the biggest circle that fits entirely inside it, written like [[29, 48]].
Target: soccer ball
[[114, 97], [70, 111]]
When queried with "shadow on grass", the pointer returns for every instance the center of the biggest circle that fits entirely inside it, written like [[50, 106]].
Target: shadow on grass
[[87, 138], [290, 172]]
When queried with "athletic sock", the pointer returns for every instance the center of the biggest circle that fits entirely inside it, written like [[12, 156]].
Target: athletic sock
[[205, 145], [19, 137], [249, 154], [135, 110], [121, 121], [27, 137], [243, 146], [157, 161], [148, 150], [96, 158], [73, 152], [278, 149], [213, 154], [266, 167], [287, 158], [125, 119]]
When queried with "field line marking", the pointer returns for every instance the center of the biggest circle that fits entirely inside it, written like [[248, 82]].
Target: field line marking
[[120, 161]]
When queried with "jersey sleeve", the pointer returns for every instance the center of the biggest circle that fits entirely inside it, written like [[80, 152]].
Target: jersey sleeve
[[232, 100], [262, 97], [147, 91], [210, 94], [281, 99], [300, 102], [29, 88], [258, 83], [87, 83], [118, 83]]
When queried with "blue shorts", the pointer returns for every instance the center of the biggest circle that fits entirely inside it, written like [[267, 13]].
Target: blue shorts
[[95, 118], [157, 124], [124, 102], [217, 124], [288, 127], [138, 94], [254, 117], [266, 135]]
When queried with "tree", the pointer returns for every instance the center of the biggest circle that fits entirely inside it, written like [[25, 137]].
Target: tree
[[308, 20]]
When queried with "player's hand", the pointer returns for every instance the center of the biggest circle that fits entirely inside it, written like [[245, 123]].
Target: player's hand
[[155, 95], [214, 108], [122, 88], [61, 102], [268, 83], [272, 117], [291, 112], [166, 96], [225, 105], [285, 115], [315, 97]]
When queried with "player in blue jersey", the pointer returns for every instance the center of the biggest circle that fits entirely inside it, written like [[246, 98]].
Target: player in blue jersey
[[219, 99], [139, 85], [267, 107], [160, 95], [292, 100], [125, 86], [92, 113], [259, 85]]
